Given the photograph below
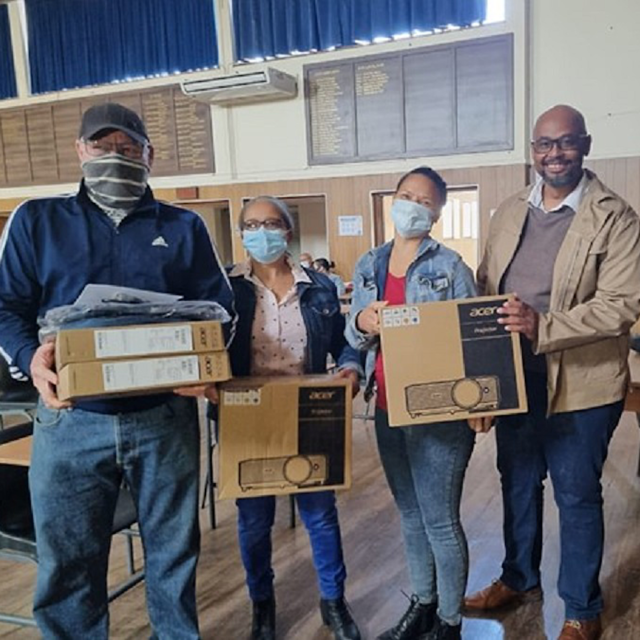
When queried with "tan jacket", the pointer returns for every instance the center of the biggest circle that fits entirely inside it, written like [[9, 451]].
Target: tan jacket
[[595, 295]]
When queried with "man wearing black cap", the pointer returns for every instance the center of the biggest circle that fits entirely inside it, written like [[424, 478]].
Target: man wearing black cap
[[116, 158], [112, 231]]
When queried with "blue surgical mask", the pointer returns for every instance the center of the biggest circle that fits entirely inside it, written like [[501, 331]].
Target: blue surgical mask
[[411, 219], [264, 245]]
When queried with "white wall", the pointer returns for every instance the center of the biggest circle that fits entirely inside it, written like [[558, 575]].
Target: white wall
[[587, 53]]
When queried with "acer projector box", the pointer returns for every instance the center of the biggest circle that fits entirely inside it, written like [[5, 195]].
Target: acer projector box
[[282, 435], [450, 360]]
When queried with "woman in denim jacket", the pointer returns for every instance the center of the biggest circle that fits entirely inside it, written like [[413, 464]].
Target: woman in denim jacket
[[289, 320], [424, 465]]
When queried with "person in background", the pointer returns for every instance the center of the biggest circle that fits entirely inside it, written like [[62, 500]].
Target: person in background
[[424, 465], [570, 248], [289, 321], [322, 265], [306, 260], [112, 231]]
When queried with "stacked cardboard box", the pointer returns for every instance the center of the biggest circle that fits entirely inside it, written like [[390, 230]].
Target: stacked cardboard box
[[284, 435], [139, 359]]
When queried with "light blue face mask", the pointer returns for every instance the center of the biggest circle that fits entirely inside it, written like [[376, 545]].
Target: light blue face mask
[[264, 245], [411, 219]]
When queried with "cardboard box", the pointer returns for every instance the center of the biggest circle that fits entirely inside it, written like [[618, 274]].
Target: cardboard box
[[141, 376], [450, 360], [284, 435], [102, 343]]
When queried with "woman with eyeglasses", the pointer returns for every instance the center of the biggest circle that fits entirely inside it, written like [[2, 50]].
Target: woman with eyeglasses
[[288, 322], [424, 464]]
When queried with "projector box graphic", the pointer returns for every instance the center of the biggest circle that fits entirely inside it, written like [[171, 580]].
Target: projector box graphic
[[450, 360]]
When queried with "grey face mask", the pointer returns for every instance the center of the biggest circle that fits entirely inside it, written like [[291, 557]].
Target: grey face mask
[[115, 182]]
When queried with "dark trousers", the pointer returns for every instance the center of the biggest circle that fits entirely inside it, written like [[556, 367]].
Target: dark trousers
[[572, 448], [320, 516]]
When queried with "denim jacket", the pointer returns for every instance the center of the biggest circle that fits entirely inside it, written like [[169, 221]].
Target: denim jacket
[[436, 273], [320, 309]]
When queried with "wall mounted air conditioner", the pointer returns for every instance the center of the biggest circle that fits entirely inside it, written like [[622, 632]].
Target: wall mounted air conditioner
[[241, 88]]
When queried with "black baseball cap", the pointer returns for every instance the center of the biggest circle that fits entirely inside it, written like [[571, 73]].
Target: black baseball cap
[[112, 115]]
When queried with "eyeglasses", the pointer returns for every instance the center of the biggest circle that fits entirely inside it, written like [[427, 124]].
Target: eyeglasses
[[565, 143], [98, 148], [272, 224]]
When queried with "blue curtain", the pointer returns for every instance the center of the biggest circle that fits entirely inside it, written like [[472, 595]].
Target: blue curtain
[[7, 72], [77, 43], [268, 28]]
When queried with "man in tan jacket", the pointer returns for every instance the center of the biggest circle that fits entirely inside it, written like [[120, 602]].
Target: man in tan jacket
[[569, 248]]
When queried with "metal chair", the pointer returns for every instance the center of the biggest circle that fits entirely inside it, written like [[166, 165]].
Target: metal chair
[[208, 492], [16, 398], [17, 535]]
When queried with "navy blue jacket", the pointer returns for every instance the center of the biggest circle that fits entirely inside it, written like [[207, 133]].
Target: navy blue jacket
[[53, 247], [320, 309]]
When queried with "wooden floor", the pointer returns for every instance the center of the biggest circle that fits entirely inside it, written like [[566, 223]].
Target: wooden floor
[[373, 550]]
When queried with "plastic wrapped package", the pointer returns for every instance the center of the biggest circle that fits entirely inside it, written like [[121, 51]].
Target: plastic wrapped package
[[119, 313]]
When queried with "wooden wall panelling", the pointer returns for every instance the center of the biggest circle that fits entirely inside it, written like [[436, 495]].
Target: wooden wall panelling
[[352, 196], [66, 125], [487, 202], [166, 194], [9, 204], [622, 175], [42, 144], [16, 147]]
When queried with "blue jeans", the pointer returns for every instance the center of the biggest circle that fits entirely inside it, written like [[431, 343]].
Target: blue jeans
[[572, 447], [425, 467], [320, 516], [79, 460]]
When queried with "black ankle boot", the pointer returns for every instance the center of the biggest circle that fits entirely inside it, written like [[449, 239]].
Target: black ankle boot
[[443, 631], [416, 622], [336, 615], [263, 626]]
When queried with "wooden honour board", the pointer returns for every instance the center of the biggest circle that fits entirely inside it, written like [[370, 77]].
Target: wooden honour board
[[37, 143]]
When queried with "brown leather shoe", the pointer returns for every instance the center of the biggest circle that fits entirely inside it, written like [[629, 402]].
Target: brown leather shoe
[[498, 595], [581, 630]]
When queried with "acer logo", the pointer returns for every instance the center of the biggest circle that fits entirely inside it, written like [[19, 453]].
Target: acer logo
[[321, 395], [483, 311]]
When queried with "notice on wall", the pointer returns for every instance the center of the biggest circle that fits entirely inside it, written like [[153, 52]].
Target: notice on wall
[[349, 225]]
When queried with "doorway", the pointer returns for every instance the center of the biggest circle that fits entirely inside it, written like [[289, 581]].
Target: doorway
[[217, 218]]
